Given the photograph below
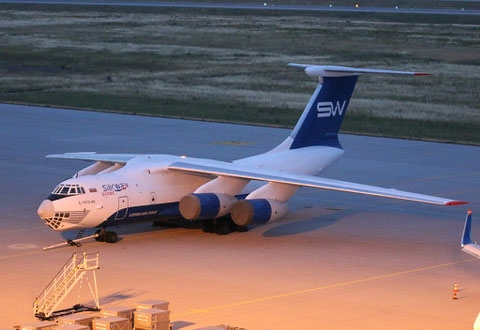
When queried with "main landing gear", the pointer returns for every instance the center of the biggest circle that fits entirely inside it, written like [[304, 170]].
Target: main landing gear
[[222, 226], [106, 236]]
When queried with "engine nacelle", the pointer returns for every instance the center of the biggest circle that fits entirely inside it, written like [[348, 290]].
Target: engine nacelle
[[257, 211], [205, 206]]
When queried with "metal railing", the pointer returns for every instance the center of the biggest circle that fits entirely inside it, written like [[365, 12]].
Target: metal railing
[[64, 281]]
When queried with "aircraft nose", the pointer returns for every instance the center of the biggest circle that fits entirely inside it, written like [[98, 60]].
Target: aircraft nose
[[45, 210]]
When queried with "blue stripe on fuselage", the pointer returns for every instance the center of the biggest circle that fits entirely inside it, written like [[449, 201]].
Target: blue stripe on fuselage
[[144, 213], [148, 213]]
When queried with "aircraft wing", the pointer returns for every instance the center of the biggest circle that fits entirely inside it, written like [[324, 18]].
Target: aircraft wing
[[218, 168], [94, 157]]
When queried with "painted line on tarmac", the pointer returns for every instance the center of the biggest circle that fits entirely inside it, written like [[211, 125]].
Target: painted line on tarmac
[[20, 254], [20, 229], [289, 294], [193, 310]]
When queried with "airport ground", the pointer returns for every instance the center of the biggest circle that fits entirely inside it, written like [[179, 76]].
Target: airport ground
[[338, 261], [230, 65]]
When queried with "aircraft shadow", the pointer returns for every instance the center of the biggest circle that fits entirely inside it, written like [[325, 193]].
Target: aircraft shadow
[[283, 229], [140, 227], [181, 324], [299, 227], [117, 296]]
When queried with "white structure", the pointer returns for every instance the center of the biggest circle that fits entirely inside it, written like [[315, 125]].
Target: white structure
[[74, 271]]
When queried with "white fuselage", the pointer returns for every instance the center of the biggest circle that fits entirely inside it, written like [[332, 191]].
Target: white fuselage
[[144, 188]]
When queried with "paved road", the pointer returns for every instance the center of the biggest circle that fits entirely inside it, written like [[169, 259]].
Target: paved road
[[253, 7], [338, 261]]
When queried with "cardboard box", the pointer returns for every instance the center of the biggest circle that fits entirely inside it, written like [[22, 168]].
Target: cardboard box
[[158, 326], [151, 318], [73, 327], [79, 318], [165, 325], [152, 303], [120, 311], [38, 326], [112, 323]]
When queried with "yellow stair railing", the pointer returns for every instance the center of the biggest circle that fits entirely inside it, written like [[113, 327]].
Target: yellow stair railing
[[74, 270]]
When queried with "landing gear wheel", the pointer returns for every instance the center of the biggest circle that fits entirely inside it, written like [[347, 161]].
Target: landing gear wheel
[[208, 227], [223, 227], [106, 236], [240, 229], [111, 237]]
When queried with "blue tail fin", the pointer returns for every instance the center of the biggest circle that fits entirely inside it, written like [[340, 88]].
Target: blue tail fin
[[323, 116], [467, 229]]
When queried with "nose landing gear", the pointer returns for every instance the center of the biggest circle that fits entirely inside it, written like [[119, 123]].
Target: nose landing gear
[[101, 236]]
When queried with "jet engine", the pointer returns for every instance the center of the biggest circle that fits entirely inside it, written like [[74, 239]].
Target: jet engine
[[205, 206], [257, 211]]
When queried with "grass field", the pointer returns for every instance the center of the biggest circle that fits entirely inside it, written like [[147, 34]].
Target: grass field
[[231, 65]]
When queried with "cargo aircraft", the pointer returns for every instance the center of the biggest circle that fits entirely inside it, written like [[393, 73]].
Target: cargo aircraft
[[226, 196]]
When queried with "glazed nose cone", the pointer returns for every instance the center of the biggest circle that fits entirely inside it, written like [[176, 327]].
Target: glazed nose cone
[[45, 209]]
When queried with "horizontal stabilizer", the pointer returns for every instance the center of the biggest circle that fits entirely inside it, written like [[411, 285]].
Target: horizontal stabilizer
[[340, 71], [472, 249]]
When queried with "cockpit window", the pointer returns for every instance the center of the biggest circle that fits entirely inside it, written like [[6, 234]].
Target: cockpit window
[[65, 190], [68, 190]]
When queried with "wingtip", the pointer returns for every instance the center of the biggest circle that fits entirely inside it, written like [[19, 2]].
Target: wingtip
[[456, 203], [470, 212], [422, 74]]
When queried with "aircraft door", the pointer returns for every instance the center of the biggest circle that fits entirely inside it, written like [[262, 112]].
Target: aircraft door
[[122, 208]]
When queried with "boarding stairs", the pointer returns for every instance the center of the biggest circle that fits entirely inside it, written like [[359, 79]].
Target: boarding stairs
[[72, 273]]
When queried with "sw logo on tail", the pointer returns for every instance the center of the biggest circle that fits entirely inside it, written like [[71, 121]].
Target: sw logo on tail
[[326, 109]]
